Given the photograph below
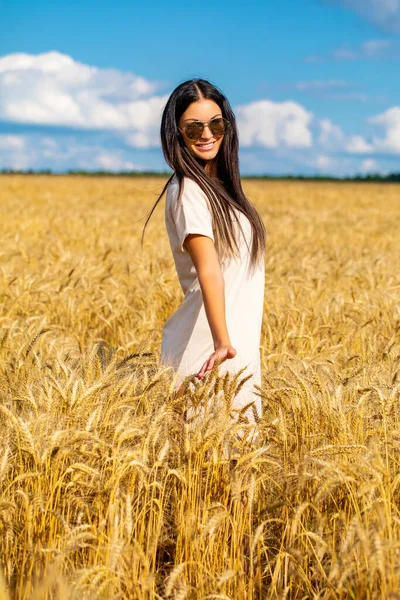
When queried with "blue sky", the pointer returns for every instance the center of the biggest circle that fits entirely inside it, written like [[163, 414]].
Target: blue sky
[[314, 83]]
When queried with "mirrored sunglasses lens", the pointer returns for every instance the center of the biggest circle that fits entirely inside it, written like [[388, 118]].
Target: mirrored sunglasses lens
[[194, 131], [217, 127]]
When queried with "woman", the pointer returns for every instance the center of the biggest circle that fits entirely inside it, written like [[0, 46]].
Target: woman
[[218, 242]]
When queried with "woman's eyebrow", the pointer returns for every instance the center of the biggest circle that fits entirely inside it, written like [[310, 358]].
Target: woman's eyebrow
[[193, 119]]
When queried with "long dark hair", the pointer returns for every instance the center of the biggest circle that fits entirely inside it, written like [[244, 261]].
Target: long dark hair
[[224, 192]]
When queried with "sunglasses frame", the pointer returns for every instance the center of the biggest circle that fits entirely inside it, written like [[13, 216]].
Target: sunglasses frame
[[205, 123]]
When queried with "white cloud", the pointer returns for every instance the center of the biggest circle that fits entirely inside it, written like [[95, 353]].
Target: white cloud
[[369, 165], [367, 50], [35, 151], [383, 13], [14, 153], [376, 47], [356, 144], [112, 162], [53, 89], [333, 139], [273, 124], [321, 84], [352, 96], [331, 88], [323, 162], [331, 136], [390, 121], [11, 142], [344, 54]]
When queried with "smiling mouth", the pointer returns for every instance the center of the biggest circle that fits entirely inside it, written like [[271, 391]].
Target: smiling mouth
[[205, 147]]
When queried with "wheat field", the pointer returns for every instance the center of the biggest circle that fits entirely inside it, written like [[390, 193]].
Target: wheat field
[[107, 492]]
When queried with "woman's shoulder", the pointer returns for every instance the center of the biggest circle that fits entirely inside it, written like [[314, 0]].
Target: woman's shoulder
[[189, 188], [174, 183], [173, 189]]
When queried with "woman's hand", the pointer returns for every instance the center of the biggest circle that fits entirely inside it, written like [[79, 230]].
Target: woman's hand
[[219, 355]]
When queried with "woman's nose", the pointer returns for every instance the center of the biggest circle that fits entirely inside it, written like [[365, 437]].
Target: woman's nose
[[206, 132]]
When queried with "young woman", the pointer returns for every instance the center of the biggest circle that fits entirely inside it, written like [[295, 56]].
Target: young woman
[[217, 240]]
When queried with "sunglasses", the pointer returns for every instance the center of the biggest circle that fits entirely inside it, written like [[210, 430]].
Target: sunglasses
[[194, 130]]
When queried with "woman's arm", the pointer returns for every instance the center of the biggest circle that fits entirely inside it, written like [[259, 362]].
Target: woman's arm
[[204, 256]]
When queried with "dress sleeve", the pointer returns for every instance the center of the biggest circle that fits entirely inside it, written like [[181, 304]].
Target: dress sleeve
[[192, 213]]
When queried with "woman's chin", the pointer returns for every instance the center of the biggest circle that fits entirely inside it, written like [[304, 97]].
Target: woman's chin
[[206, 156]]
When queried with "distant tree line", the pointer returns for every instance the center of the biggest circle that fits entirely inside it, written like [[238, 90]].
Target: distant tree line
[[377, 177]]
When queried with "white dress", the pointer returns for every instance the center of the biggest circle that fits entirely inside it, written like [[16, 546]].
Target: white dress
[[187, 341]]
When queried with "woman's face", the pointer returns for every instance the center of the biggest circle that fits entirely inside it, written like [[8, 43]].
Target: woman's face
[[208, 145]]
